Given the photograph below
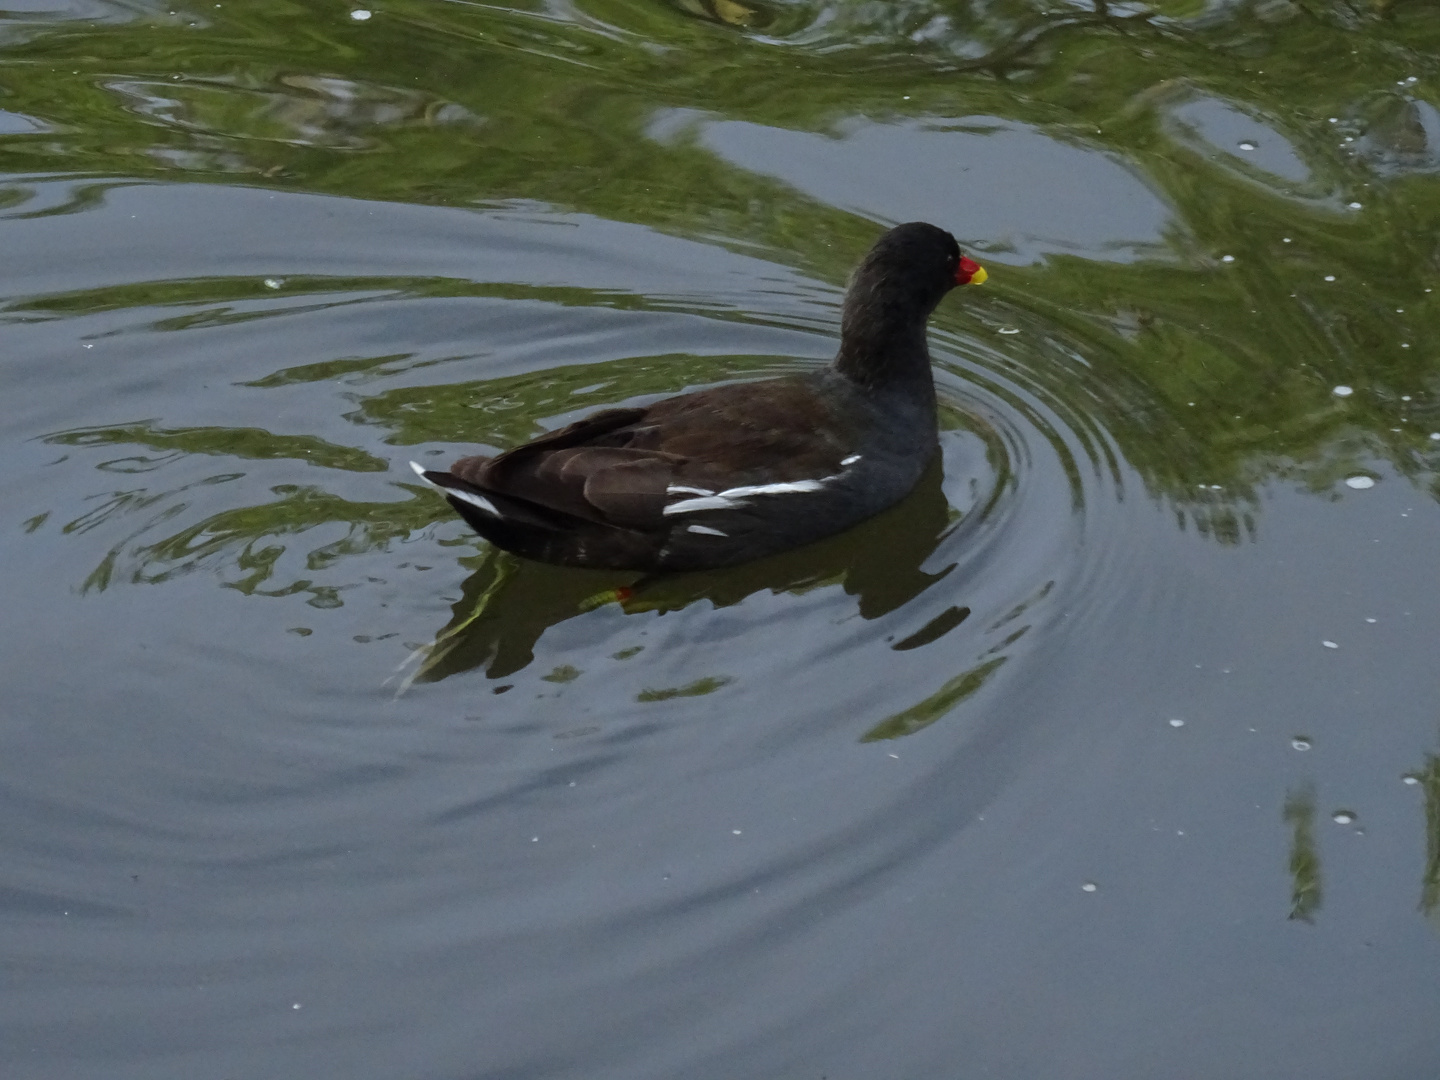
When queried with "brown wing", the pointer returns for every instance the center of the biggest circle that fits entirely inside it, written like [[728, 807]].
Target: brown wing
[[615, 467], [583, 469], [737, 435]]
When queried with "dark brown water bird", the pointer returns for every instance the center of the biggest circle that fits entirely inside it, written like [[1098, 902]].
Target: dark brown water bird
[[733, 473]]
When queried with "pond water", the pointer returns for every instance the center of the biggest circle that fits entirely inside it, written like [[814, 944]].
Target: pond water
[[1113, 751]]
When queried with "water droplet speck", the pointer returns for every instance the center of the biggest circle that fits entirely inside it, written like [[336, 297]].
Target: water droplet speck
[[1300, 742], [1342, 391], [1329, 277], [1359, 483], [1089, 886], [1329, 644], [1177, 723], [359, 14], [1227, 258], [1343, 817], [1246, 144]]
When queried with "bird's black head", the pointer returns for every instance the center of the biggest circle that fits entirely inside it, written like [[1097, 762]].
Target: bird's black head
[[910, 268], [897, 285]]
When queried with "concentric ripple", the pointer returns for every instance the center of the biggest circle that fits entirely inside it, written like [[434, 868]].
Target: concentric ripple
[[880, 662], [1005, 782]]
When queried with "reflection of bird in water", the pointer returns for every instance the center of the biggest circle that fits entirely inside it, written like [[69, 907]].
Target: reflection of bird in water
[[509, 603], [735, 473]]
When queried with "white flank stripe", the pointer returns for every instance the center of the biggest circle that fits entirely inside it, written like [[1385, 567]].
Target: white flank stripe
[[850, 460], [677, 489], [705, 530], [787, 488], [736, 496], [709, 502]]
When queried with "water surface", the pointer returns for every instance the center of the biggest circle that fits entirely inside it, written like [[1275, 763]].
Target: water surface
[[1110, 752]]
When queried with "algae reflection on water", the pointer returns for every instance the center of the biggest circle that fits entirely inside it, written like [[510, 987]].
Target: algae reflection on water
[[932, 770], [1209, 357]]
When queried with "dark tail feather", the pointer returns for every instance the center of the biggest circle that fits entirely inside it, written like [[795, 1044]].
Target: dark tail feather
[[505, 521]]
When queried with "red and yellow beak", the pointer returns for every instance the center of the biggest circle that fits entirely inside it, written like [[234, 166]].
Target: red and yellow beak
[[969, 272]]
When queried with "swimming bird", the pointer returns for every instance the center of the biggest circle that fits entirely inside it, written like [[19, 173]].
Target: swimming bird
[[736, 472]]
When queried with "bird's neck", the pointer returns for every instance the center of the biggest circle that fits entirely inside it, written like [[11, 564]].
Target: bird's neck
[[884, 353]]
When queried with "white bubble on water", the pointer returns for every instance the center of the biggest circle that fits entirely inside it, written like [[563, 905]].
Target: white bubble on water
[[1411, 780], [1329, 277], [1329, 644], [1089, 886], [1343, 817], [1359, 483], [1177, 723], [274, 282], [1246, 144], [1343, 391], [1300, 743], [359, 14], [1227, 258]]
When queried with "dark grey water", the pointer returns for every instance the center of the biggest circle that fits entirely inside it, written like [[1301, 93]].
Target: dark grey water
[[1112, 752]]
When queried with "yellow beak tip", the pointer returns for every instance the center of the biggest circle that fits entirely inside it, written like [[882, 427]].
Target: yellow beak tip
[[979, 277]]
